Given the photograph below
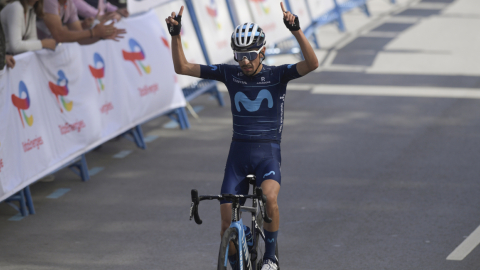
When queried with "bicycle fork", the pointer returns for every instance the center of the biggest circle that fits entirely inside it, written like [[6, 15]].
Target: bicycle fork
[[243, 248]]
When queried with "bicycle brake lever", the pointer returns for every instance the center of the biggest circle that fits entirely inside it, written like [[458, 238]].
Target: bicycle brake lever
[[262, 203], [194, 209], [191, 210]]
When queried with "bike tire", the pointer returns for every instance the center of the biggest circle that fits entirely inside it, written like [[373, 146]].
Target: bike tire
[[229, 235]]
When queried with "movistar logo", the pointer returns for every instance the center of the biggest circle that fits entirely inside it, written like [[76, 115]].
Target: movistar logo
[[213, 67], [289, 66], [253, 105], [270, 173], [271, 240]]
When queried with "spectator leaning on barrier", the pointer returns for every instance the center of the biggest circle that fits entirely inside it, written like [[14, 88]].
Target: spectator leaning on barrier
[[5, 59], [257, 124], [98, 8], [18, 19], [60, 21]]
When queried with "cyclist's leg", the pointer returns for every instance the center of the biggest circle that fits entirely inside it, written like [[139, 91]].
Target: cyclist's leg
[[269, 178], [271, 188], [234, 182]]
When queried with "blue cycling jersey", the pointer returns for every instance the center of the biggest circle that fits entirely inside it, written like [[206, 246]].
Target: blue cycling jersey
[[257, 101]]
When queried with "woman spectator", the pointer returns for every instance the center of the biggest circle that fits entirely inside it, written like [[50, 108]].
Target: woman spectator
[[96, 8], [19, 25]]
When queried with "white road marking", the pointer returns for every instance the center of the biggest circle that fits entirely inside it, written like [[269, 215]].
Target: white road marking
[[299, 86], [406, 91], [466, 246]]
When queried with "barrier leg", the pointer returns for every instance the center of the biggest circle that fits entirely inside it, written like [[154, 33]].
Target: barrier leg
[[29, 201], [218, 95], [392, 1], [315, 40], [136, 135], [182, 118], [20, 198], [80, 168], [338, 11], [365, 9]]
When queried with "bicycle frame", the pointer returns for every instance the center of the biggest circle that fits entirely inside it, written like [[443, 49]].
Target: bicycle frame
[[242, 244], [258, 204]]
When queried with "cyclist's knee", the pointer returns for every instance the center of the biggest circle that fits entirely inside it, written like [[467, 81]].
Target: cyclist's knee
[[271, 199]]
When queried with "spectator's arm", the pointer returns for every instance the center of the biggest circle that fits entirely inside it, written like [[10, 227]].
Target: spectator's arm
[[14, 32], [84, 9], [63, 34], [77, 26], [110, 7]]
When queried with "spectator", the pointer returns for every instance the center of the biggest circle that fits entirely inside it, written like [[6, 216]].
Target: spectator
[[94, 8], [5, 59], [60, 21], [19, 26], [118, 3]]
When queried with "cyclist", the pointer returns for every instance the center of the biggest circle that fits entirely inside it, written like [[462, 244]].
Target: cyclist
[[257, 95]]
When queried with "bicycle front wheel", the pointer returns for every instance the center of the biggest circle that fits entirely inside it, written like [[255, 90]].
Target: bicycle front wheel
[[230, 236]]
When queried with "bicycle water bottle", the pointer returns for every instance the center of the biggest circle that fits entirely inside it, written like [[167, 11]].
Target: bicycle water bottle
[[248, 237]]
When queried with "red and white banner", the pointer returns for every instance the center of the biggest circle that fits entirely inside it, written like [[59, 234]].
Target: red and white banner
[[191, 46], [55, 106], [320, 7], [216, 27], [138, 6], [269, 16], [300, 9]]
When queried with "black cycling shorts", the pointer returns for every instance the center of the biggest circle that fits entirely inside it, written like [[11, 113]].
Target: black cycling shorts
[[261, 159]]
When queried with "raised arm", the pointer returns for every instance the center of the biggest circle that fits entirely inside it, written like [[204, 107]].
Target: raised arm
[[311, 62], [182, 66]]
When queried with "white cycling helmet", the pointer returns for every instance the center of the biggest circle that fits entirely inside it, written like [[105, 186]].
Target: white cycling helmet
[[247, 37]]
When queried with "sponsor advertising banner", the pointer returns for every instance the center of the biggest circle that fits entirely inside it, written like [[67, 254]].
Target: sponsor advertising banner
[[242, 11], [320, 7], [191, 45], [55, 106], [300, 8], [138, 6], [268, 14], [216, 26]]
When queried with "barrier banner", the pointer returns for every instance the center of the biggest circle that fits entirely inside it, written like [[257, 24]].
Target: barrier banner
[[319, 8], [300, 8], [138, 6], [55, 106], [242, 11], [191, 46], [269, 15], [216, 27]]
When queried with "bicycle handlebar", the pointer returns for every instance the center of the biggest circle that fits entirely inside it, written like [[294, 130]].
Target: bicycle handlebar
[[197, 199]]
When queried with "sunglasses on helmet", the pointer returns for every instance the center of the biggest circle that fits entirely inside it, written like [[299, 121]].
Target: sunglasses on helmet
[[250, 55]]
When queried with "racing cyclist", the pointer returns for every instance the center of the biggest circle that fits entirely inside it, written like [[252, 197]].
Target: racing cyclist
[[257, 95]]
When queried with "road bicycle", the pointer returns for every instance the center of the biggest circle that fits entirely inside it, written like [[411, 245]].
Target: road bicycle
[[248, 258]]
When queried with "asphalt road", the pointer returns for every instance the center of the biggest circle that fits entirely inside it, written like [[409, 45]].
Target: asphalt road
[[370, 180]]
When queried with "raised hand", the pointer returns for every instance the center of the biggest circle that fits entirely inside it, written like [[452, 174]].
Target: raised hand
[[118, 34], [174, 23], [291, 20]]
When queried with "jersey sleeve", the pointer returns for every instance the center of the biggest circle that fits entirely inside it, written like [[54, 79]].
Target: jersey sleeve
[[213, 72], [288, 73]]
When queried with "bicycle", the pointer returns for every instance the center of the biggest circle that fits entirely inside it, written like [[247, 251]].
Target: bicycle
[[235, 233]]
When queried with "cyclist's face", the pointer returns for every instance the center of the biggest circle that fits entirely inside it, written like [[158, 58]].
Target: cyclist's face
[[248, 67]]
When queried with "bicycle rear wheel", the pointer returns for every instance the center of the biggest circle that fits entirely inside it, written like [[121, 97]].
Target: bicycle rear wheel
[[230, 235]]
